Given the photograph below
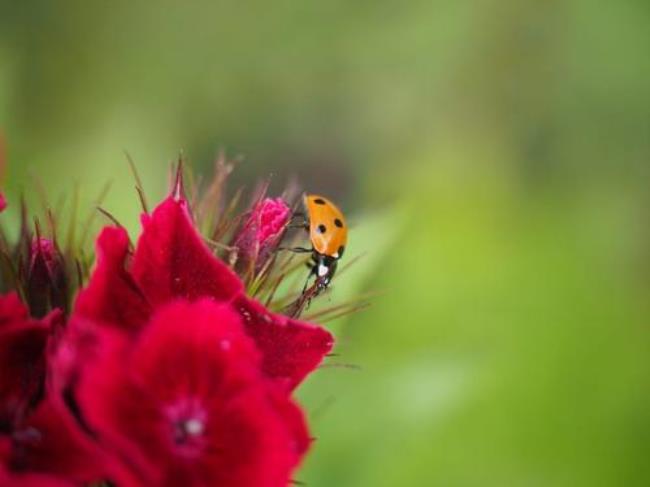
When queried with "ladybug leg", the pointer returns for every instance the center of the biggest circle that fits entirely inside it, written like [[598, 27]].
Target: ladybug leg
[[297, 250], [313, 268], [299, 220], [302, 224]]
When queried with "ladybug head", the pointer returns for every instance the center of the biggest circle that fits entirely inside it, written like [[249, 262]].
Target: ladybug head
[[325, 269]]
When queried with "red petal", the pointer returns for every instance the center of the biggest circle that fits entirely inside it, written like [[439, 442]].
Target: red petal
[[52, 442], [22, 371], [12, 309], [22, 360], [71, 350], [291, 349], [295, 421], [171, 259], [112, 296], [32, 480]]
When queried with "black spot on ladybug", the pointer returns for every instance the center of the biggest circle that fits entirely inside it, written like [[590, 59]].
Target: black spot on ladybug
[[338, 223], [341, 250], [319, 201], [322, 228]]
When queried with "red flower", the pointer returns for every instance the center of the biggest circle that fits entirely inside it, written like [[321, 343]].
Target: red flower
[[3, 202], [41, 434], [171, 261], [186, 400], [165, 374], [22, 360]]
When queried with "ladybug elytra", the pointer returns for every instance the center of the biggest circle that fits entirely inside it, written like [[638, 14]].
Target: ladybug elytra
[[328, 234]]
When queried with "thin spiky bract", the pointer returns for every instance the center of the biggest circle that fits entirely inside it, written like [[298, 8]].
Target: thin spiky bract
[[275, 278], [70, 258]]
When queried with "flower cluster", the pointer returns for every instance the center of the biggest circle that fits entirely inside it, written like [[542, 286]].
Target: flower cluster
[[164, 371]]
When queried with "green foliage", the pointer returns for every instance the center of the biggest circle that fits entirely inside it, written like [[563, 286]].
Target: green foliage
[[493, 157]]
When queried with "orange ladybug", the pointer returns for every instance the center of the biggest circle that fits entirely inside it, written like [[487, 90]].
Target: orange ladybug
[[328, 233]]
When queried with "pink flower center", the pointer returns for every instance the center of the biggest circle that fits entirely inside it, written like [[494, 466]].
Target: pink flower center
[[187, 423]]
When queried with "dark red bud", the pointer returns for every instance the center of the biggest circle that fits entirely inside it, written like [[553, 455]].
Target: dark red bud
[[46, 287]]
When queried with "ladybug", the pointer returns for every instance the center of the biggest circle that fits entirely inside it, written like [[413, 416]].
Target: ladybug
[[328, 233]]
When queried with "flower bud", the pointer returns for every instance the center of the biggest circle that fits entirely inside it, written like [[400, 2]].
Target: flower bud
[[45, 278], [262, 231], [274, 215]]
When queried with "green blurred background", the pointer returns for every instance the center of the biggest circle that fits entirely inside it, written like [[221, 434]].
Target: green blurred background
[[493, 156]]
